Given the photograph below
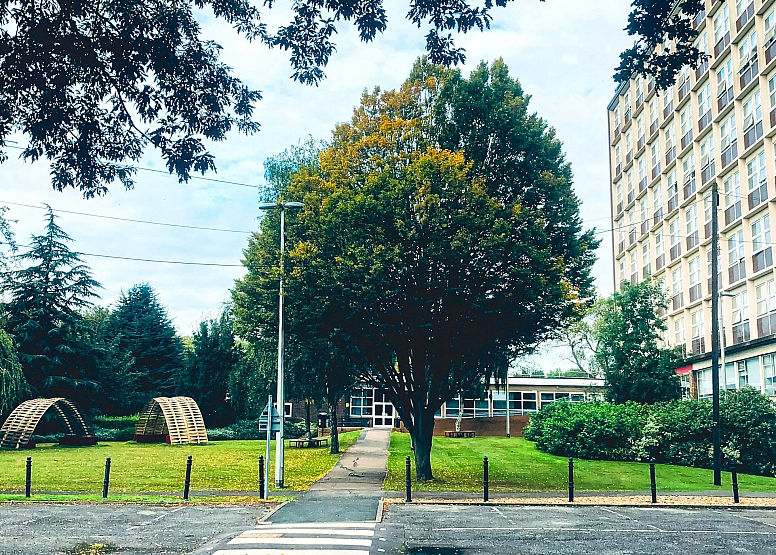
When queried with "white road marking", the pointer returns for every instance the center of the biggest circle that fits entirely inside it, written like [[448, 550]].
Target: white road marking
[[295, 552], [619, 530], [750, 519], [154, 520], [286, 530], [303, 541], [319, 525], [627, 517]]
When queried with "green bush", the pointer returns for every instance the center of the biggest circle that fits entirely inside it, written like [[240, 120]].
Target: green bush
[[674, 432]]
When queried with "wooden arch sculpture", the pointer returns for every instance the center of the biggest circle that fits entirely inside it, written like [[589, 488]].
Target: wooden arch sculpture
[[176, 420], [21, 423]]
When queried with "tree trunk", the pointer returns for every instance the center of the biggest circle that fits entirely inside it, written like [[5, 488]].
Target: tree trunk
[[333, 427], [307, 417], [460, 414], [422, 438]]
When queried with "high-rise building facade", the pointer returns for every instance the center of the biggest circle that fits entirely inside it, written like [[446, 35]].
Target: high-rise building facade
[[716, 123]]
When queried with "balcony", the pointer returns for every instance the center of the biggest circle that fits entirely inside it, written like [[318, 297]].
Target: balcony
[[695, 292], [660, 261], [741, 332], [668, 108], [686, 139], [745, 16], [732, 212], [759, 195], [708, 172], [725, 98], [644, 227], [641, 142], [684, 89], [656, 170], [642, 184], [721, 44], [657, 216], [676, 251], [737, 271], [653, 127], [677, 301], [673, 203], [689, 187], [699, 346], [753, 133], [766, 324], [762, 260], [749, 72], [729, 154], [692, 240], [704, 122]]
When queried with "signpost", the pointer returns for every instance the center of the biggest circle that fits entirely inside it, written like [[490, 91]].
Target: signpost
[[274, 426]]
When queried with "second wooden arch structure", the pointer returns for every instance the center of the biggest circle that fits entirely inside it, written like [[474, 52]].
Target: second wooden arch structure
[[176, 417]]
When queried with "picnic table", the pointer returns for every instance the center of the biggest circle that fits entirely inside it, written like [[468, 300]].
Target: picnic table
[[309, 442], [459, 433]]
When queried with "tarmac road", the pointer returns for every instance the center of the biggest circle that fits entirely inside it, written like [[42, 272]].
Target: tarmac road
[[518, 530]]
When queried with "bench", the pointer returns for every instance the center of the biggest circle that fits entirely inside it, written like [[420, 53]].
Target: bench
[[309, 442], [461, 433]]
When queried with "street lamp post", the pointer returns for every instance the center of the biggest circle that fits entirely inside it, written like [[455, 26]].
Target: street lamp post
[[723, 371], [279, 439]]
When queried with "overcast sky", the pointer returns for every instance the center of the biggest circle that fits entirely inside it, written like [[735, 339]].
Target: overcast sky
[[562, 51]]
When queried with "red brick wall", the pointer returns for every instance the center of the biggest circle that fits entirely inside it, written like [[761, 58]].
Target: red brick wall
[[488, 427]]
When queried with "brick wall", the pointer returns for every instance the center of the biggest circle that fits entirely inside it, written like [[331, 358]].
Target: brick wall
[[484, 427]]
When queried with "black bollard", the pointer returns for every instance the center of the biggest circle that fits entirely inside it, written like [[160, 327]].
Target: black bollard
[[261, 477], [652, 482], [485, 483], [28, 481], [408, 479], [106, 479], [734, 475], [187, 483], [571, 479]]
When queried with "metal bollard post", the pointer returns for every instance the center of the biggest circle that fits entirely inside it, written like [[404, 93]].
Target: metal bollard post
[[106, 479], [187, 483], [485, 483], [734, 475], [28, 481], [571, 479], [652, 482], [262, 493], [408, 479]]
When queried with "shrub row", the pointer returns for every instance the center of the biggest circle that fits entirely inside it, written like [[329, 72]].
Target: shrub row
[[675, 432]]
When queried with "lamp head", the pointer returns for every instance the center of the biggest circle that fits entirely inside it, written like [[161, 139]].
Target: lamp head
[[293, 205], [268, 205]]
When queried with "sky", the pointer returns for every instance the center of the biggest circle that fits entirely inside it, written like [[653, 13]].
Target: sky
[[562, 51]]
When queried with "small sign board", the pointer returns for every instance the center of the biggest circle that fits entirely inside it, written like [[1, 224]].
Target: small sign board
[[275, 425]]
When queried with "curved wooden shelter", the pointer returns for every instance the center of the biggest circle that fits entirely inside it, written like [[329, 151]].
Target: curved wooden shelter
[[176, 420], [21, 423]]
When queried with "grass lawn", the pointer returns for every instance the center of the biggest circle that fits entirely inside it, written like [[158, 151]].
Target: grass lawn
[[516, 465], [153, 468]]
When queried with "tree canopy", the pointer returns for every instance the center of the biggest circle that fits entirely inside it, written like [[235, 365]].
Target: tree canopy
[[441, 238], [629, 337], [92, 84]]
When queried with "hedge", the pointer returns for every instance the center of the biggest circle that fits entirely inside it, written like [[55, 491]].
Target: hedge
[[674, 432]]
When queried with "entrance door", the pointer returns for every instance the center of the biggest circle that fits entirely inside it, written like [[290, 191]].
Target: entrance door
[[384, 413]]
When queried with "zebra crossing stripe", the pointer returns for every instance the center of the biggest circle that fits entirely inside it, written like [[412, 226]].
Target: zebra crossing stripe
[[318, 525], [272, 530], [302, 541], [294, 552]]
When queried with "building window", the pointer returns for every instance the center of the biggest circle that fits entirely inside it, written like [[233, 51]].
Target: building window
[[704, 383], [679, 332], [646, 260], [691, 223], [660, 254], [725, 83], [728, 142], [753, 119], [749, 373], [694, 267], [675, 238], [722, 25], [361, 402], [547, 398], [757, 179], [762, 256], [769, 372], [707, 159], [765, 295], [521, 402], [740, 316], [736, 263], [696, 329], [684, 383], [732, 189]]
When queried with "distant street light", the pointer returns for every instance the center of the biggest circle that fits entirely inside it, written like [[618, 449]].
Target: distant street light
[[279, 439]]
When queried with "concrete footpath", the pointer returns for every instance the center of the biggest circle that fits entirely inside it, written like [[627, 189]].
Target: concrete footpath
[[351, 491]]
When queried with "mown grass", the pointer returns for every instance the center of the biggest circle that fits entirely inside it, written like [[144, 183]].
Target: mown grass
[[158, 468], [516, 465]]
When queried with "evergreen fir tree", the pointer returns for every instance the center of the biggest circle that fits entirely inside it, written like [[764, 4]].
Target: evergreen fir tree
[[143, 329], [46, 295]]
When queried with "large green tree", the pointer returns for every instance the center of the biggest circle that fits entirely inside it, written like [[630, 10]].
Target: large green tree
[[629, 351], [441, 239], [142, 328], [92, 84], [46, 293], [13, 385]]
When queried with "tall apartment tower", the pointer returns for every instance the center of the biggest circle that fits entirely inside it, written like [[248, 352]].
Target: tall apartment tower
[[717, 122]]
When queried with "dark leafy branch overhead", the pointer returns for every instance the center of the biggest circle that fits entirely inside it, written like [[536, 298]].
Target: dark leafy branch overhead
[[655, 23]]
